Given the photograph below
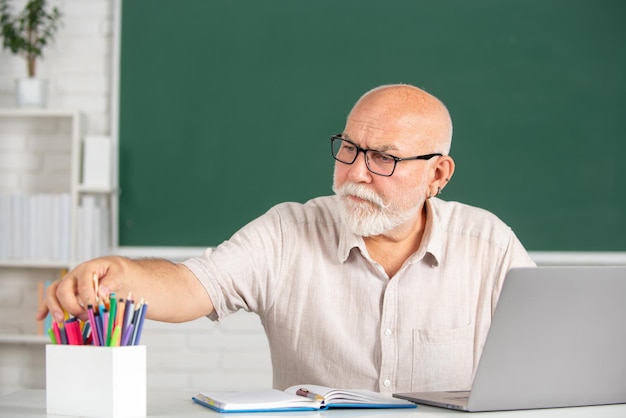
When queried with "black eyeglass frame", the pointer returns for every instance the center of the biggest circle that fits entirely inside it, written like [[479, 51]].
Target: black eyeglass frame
[[365, 151]]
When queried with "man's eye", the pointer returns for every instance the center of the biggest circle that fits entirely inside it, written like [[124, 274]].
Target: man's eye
[[382, 158]]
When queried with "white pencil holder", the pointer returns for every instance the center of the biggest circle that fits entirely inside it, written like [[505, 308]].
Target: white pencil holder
[[92, 381]]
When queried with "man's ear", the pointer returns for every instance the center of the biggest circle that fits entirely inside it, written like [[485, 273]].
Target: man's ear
[[443, 171]]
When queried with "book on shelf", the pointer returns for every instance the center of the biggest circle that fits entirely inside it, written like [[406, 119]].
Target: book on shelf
[[93, 227], [41, 287], [35, 226], [38, 226], [297, 398]]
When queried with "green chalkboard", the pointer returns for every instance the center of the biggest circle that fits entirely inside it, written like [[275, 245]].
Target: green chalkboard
[[226, 108]]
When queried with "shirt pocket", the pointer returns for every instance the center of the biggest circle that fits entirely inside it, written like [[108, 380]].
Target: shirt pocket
[[443, 359]]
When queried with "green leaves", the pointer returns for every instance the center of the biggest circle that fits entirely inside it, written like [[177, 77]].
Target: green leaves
[[30, 31]]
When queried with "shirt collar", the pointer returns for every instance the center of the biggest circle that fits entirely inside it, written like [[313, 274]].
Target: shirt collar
[[432, 241], [347, 241]]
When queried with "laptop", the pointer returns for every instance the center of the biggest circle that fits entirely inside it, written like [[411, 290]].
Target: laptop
[[557, 339]]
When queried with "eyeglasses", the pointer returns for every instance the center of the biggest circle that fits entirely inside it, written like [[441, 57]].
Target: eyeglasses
[[377, 162]]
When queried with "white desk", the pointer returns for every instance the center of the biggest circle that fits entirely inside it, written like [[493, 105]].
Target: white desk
[[32, 404]]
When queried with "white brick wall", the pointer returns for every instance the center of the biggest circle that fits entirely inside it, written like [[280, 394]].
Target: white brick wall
[[232, 354], [35, 155]]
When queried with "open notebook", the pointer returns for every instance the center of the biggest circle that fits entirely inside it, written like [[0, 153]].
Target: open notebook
[[557, 339], [297, 398]]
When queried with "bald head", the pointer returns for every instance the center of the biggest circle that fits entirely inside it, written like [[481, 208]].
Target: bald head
[[407, 110]]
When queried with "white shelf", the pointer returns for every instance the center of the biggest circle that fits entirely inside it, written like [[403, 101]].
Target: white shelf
[[53, 113], [82, 188], [78, 195], [39, 264], [23, 339]]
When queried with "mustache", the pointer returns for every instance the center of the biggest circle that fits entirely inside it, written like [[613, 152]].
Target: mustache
[[362, 192]]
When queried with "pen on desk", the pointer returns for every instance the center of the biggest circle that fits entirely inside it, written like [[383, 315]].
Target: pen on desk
[[134, 320], [128, 333], [112, 317], [94, 325], [72, 329], [52, 337], [119, 315], [139, 324], [115, 337], [119, 322], [105, 326], [63, 333], [311, 395], [128, 315], [99, 329], [86, 335], [57, 333]]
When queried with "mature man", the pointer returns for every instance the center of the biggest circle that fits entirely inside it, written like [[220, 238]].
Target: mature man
[[383, 286]]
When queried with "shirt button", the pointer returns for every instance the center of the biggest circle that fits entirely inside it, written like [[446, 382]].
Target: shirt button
[[387, 383], [388, 332]]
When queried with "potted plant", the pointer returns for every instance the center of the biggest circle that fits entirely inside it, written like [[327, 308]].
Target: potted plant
[[26, 34]]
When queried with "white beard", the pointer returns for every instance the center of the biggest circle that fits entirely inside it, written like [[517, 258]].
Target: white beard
[[373, 217]]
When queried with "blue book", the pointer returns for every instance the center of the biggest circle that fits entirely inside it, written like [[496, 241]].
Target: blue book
[[47, 322], [297, 398]]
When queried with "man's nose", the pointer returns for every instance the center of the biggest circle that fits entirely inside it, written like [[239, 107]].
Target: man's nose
[[358, 171]]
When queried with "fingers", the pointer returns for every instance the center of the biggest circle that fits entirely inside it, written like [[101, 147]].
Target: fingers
[[42, 311], [74, 292], [51, 304], [66, 297], [85, 285]]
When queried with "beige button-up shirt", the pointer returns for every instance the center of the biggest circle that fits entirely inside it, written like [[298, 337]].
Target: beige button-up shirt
[[332, 315]]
